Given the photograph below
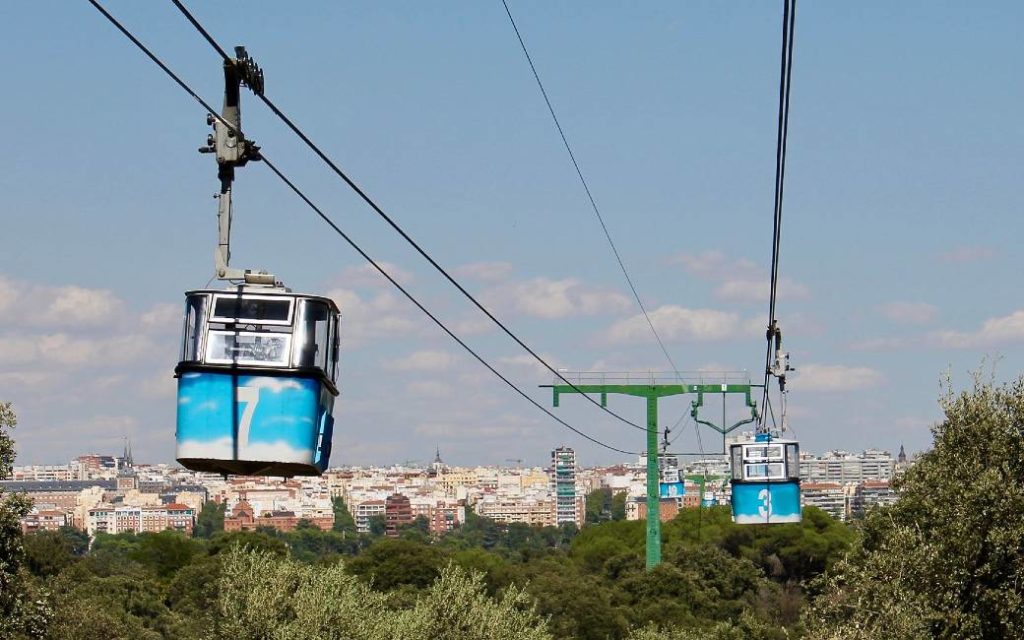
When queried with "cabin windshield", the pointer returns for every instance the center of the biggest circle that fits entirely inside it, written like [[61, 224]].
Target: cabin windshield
[[251, 309], [192, 334], [313, 336]]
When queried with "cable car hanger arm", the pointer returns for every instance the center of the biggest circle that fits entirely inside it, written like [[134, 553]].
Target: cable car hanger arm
[[233, 150]]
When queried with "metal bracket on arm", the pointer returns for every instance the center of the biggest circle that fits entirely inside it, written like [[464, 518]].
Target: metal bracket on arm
[[779, 367], [695, 406], [233, 150]]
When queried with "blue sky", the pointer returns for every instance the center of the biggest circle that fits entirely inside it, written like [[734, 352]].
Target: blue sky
[[899, 257]]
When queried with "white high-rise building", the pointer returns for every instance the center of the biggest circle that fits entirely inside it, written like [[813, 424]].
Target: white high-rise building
[[568, 507]]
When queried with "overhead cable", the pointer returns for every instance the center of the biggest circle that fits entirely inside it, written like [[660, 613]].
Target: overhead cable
[[586, 188], [785, 75], [394, 225], [181, 83]]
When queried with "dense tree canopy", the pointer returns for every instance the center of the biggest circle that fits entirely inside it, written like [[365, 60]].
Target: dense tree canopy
[[946, 560]]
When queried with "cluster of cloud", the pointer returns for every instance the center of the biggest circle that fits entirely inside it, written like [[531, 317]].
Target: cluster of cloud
[[993, 332], [53, 329], [553, 299], [821, 377], [737, 280], [967, 254], [681, 324]]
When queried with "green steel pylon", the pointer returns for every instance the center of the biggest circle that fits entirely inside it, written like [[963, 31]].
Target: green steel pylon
[[644, 386]]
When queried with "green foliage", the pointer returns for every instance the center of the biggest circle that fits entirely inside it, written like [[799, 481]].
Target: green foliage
[[598, 506], [390, 563], [210, 519], [268, 598], [619, 506], [417, 531], [47, 553], [343, 521], [945, 561], [224, 541], [377, 525], [19, 612], [164, 553]]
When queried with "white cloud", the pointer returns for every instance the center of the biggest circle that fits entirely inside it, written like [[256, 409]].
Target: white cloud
[[162, 318], [487, 271], [738, 280], [8, 294], [382, 315], [159, 386], [993, 332], [909, 312], [675, 323], [67, 350], [27, 379], [553, 299], [426, 360], [880, 344], [430, 389], [821, 377], [967, 254], [75, 306], [366, 275]]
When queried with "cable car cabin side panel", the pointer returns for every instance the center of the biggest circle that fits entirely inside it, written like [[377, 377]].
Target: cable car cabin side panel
[[250, 424], [765, 503]]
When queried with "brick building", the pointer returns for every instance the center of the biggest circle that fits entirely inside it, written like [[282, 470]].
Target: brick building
[[397, 513]]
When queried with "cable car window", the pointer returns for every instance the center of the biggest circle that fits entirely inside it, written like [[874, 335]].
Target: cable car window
[[766, 452], [335, 346], [773, 471], [737, 463], [195, 317], [245, 347], [313, 331], [254, 309], [793, 460]]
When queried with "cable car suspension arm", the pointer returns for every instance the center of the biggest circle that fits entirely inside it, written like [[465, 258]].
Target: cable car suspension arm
[[233, 150]]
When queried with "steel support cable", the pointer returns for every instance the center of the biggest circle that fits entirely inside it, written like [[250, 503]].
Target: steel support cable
[[586, 188], [785, 76], [184, 86], [593, 203], [394, 225]]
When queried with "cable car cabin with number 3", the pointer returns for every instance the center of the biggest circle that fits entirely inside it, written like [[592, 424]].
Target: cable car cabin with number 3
[[765, 481], [257, 382]]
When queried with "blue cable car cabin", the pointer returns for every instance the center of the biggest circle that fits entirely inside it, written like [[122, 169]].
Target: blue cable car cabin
[[257, 381], [765, 481]]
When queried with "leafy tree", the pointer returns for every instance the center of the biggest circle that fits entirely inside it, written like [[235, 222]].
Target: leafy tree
[[377, 525], [47, 552], [258, 540], [945, 561], [193, 593], [263, 597], [344, 523], [210, 519], [598, 506], [164, 553], [305, 524], [390, 563], [18, 612], [619, 506], [119, 607], [418, 530]]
